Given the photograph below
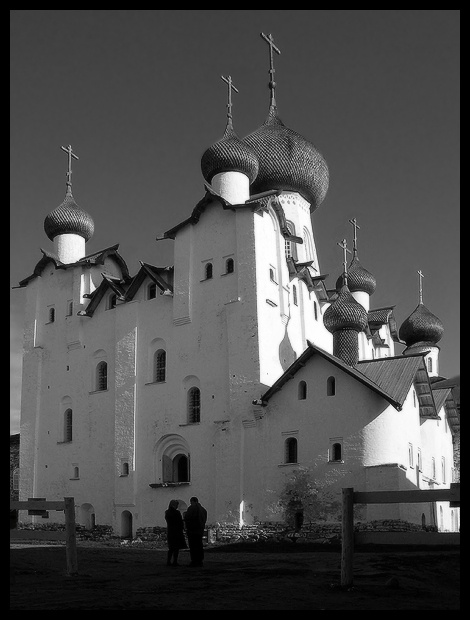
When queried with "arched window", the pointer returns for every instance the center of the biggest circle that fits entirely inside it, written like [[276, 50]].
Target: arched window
[[208, 271], [76, 472], [102, 376], [315, 310], [112, 301], [229, 265], [151, 290], [159, 365], [291, 450], [180, 468], [294, 294], [68, 425], [429, 364], [330, 386], [16, 479], [308, 245], [336, 452], [194, 405], [125, 469], [51, 315], [69, 307], [302, 394]]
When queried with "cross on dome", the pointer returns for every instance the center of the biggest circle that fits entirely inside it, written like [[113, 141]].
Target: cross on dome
[[356, 227], [228, 80], [421, 276], [272, 84], [344, 245], [71, 155]]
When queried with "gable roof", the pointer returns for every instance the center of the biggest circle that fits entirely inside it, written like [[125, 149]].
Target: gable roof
[[108, 282], [444, 396], [162, 276], [396, 375], [97, 258], [392, 390]]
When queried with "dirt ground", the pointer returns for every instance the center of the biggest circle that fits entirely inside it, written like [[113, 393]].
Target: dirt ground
[[247, 576]]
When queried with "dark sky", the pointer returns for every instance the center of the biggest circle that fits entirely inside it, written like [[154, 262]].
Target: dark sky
[[138, 95]]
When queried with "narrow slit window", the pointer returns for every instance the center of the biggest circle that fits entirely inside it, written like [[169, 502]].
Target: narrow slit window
[[331, 386], [336, 452], [102, 376], [194, 405], [152, 291], [208, 271], [51, 315], [294, 295], [68, 425], [229, 265], [160, 366], [291, 450], [302, 390]]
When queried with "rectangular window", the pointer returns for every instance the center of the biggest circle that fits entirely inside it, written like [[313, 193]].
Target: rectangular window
[[410, 454], [443, 469]]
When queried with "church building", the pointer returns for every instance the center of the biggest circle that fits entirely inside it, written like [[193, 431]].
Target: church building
[[234, 371]]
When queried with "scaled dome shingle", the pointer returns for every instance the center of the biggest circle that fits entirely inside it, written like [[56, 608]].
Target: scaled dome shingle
[[359, 279], [229, 154], [421, 326], [69, 218], [287, 161], [345, 313]]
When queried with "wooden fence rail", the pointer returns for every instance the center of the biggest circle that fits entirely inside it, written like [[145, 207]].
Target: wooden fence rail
[[68, 506], [350, 497]]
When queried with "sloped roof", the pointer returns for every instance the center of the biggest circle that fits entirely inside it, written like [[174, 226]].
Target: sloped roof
[[394, 396], [395, 375], [108, 282], [447, 396], [97, 258], [162, 276]]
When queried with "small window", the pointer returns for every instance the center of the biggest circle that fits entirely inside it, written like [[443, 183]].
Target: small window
[[433, 468], [302, 393], [443, 469], [112, 301], [429, 364], [102, 376], [194, 405], [336, 452], [68, 425], [76, 472], [51, 315], [291, 450], [160, 366], [16, 479], [272, 275], [331, 386], [208, 271], [410, 454], [125, 468], [69, 307], [294, 295], [152, 291], [414, 398], [420, 464], [315, 310], [229, 265]]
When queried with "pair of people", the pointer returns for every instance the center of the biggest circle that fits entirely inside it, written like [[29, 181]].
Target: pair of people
[[194, 521]]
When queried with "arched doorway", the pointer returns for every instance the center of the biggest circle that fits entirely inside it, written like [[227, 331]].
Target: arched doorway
[[87, 516], [126, 524]]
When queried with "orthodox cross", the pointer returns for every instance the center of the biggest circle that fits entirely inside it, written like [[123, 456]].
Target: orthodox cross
[[228, 80], [272, 84], [71, 154], [355, 226], [344, 245], [421, 276]]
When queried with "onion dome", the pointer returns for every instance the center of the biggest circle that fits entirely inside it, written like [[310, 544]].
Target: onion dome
[[69, 218], [421, 326], [345, 313], [229, 154], [287, 161], [359, 279]]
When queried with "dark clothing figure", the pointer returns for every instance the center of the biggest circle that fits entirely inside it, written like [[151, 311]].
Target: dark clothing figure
[[174, 533], [195, 521]]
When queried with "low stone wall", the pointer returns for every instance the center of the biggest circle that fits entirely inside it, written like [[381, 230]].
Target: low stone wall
[[264, 531]]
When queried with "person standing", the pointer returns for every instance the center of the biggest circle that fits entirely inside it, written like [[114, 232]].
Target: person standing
[[174, 532], [195, 521]]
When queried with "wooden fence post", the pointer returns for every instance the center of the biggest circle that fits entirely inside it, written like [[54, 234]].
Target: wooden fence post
[[347, 535], [71, 539]]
